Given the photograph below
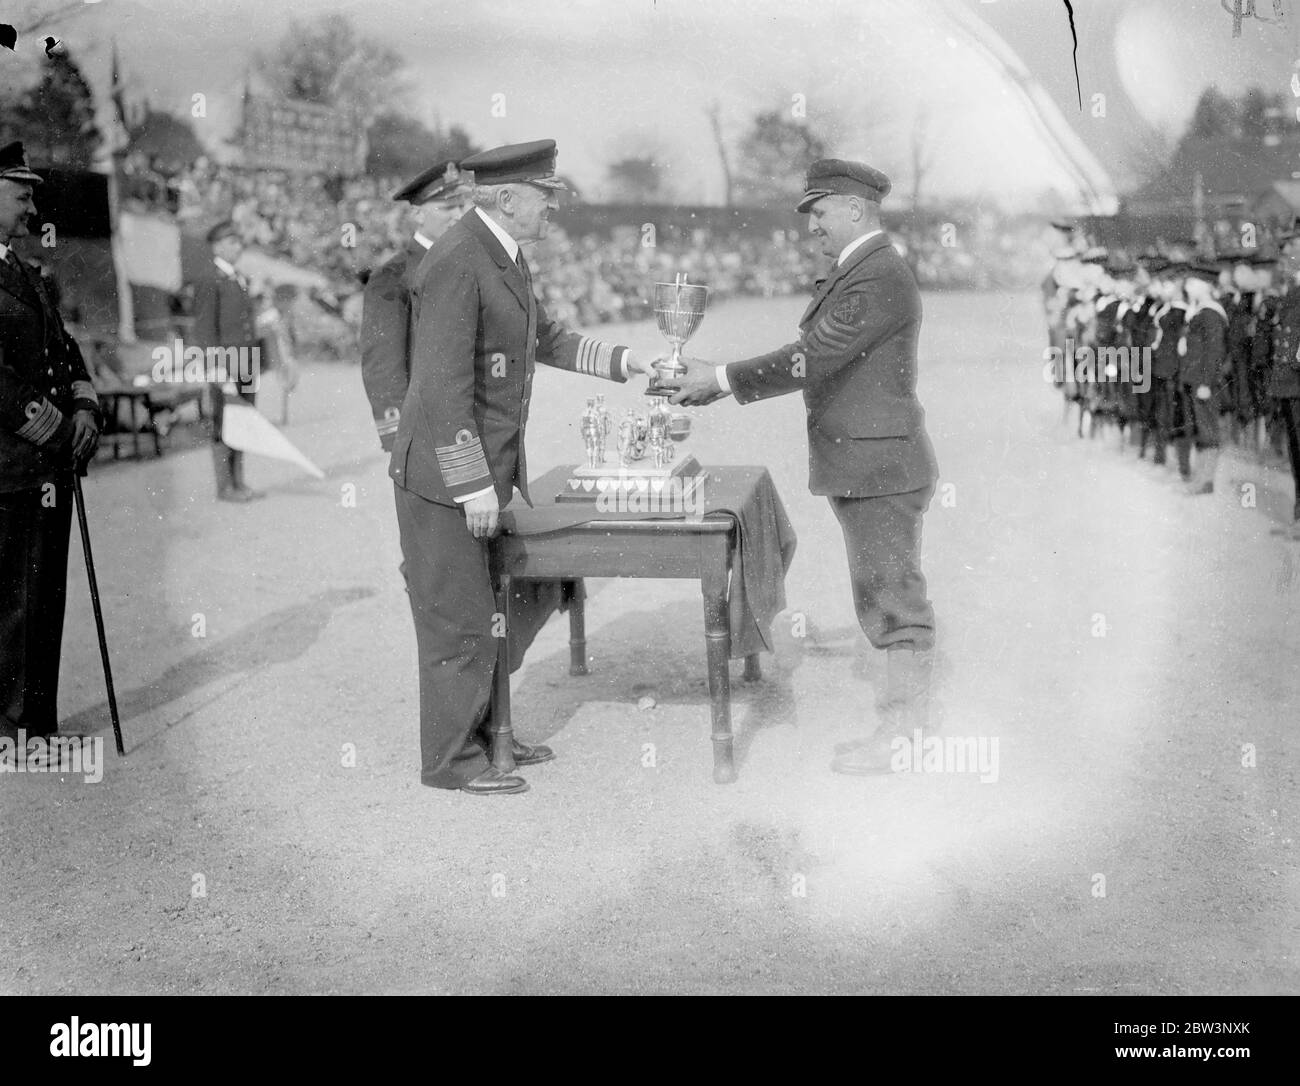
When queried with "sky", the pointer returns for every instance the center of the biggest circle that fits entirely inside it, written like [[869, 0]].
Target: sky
[[608, 78]]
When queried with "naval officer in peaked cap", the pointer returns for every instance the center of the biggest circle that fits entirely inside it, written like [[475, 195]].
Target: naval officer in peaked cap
[[437, 198], [459, 451], [855, 364], [49, 428]]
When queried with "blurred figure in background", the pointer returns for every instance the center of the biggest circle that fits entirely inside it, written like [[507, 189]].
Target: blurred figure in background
[[225, 318], [437, 198]]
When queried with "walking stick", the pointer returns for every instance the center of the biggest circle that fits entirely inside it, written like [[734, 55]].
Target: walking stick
[[99, 616]]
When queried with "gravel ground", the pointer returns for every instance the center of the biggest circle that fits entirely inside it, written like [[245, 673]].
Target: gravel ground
[[1127, 647]]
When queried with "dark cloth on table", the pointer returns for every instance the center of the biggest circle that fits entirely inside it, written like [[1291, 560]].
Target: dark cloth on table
[[745, 494]]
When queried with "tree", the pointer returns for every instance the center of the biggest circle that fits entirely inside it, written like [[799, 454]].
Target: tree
[[921, 154], [1216, 117], [55, 119], [773, 155], [636, 180], [168, 139], [326, 61], [712, 111], [401, 146]]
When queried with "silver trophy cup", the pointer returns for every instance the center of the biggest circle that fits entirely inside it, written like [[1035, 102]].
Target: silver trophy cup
[[679, 309]]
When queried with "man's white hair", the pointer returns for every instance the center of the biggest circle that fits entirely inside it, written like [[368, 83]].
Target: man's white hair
[[485, 196]]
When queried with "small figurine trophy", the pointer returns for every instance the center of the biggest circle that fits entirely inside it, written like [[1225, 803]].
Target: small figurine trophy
[[679, 309], [606, 424], [645, 477], [592, 437]]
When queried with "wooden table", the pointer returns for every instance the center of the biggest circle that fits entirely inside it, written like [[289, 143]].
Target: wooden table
[[114, 431], [701, 550]]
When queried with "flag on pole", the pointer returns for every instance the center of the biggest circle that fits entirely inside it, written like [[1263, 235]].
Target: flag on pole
[[248, 430]]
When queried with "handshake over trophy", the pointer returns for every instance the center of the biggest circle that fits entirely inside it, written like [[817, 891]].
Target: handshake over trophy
[[645, 465]]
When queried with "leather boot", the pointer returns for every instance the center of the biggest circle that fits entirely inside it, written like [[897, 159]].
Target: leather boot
[[237, 470], [221, 468], [1202, 481], [903, 710], [1184, 449]]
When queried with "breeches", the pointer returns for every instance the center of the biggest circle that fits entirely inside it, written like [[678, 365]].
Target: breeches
[[882, 536]]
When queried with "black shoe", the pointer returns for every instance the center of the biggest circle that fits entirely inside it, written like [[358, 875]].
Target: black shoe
[[525, 755], [492, 782]]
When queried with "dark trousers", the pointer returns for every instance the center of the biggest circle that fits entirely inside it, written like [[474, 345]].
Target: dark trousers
[[1291, 419], [1155, 412], [1195, 422], [447, 578], [34, 530], [883, 539]]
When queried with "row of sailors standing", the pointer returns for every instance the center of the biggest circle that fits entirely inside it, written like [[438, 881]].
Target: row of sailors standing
[[1181, 352]]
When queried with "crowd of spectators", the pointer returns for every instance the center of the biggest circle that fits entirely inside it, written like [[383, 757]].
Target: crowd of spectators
[[342, 227]]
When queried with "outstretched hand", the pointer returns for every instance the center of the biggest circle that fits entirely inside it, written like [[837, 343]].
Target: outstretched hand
[[698, 385]]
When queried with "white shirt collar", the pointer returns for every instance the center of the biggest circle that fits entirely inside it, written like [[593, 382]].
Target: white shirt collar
[[507, 242], [227, 267], [424, 241], [4, 251], [849, 249]]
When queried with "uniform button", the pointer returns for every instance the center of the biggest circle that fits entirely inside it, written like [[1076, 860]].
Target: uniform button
[[50, 372]]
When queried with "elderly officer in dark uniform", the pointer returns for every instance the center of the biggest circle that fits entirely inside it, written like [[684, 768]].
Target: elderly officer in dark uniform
[[437, 198], [459, 452], [225, 317], [49, 427], [855, 363]]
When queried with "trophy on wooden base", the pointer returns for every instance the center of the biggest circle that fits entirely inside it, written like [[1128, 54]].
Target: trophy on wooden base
[[648, 475]]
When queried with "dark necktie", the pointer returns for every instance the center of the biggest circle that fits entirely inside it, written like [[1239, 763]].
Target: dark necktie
[[531, 340], [527, 272]]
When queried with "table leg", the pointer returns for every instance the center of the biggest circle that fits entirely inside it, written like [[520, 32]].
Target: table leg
[[577, 631], [501, 730], [753, 669], [117, 429], [717, 640]]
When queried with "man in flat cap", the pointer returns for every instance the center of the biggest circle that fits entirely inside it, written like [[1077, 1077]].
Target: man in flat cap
[[437, 198], [225, 318], [855, 363], [49, 428], [459, 451]]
